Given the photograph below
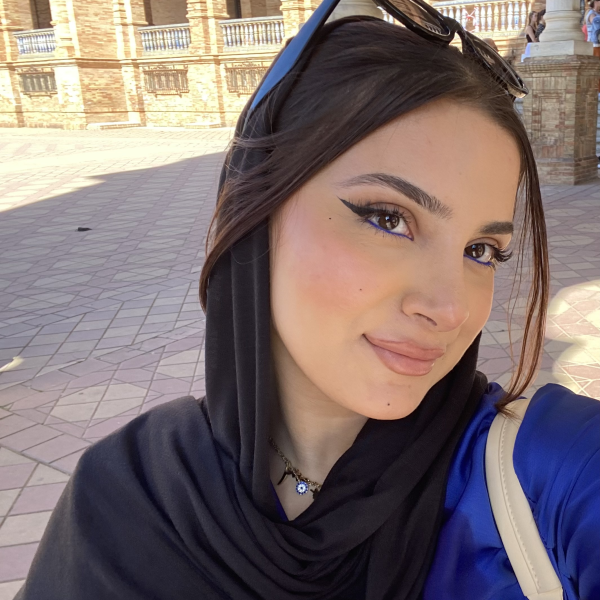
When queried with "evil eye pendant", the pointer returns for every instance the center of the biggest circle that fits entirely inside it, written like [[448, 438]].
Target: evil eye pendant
[[302, 487]]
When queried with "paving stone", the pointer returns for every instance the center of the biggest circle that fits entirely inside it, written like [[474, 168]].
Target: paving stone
[[14, 564], [37, 498], [56, 449], [13, 424], [32, 436], [7, 458], [124, 391], [7, 499], [74, 412], [91, 394], [23, 529], [15, 476], [69, 462], [44, 474]]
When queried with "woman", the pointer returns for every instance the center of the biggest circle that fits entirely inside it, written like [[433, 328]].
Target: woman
[[532, 27], [590, 15], [346, 286]]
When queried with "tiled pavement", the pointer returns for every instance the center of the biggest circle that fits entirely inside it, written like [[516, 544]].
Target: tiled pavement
[[98, 326]]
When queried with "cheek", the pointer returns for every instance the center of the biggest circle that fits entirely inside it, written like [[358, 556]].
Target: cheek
[[481, 294], [319, 276]]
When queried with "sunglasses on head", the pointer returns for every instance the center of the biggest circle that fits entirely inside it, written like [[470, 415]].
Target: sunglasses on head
[[415, 15]]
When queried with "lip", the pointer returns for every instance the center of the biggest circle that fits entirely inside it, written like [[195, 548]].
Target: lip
[[405, 357]]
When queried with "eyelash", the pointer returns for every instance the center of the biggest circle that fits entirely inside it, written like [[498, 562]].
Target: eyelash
[[366, 212]]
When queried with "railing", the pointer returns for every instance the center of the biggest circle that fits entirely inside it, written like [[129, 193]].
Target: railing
[[165, 38], [245, 33], [488, 17], [36, 41], [38, 82], [243, 78]]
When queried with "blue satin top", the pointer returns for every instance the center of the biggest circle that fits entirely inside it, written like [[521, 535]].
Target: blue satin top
[[557, 461]]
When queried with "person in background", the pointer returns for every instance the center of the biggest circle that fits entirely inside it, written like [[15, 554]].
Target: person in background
[[541, 24], [530, 33], [531, 28], [590, 15], [490, 42]]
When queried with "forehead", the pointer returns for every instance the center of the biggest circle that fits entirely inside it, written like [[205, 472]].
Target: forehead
[[454, 152]]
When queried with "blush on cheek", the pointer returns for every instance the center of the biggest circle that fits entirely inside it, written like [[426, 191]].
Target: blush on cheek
[[332, 273]]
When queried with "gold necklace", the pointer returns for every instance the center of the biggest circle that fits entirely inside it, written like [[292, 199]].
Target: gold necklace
[[303, 484]]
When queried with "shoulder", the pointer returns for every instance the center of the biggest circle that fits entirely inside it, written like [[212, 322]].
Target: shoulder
[[148, 443], [559, 434], [557, 461]]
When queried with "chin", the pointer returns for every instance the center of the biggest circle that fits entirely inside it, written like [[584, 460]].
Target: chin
[[385, 404]]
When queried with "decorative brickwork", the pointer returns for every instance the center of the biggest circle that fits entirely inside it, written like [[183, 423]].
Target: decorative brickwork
[[162, 62], [560, 114]]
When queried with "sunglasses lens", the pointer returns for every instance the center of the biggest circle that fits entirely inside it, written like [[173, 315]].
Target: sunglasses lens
[[497, 64], [420, 16]]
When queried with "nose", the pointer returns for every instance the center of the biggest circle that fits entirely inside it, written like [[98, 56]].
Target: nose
[[439, 298]]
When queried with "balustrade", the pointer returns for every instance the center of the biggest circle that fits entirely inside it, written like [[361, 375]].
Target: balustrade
[[36, 41], [165, 38], [487, 17], [244, 33]]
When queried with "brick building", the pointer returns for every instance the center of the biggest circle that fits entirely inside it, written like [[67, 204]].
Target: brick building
[[190, 63]]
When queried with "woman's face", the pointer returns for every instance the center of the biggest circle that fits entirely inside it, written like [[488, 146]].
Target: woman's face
[[383, 263]]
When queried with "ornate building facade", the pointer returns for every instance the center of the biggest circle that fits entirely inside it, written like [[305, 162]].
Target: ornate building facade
[[76, 64]]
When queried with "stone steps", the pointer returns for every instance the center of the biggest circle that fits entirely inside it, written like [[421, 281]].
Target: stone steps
[[114, 125]]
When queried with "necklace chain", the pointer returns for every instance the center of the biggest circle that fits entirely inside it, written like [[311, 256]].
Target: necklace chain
[[303, 484]]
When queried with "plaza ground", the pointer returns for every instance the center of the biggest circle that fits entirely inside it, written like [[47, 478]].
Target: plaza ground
[[100, 325]]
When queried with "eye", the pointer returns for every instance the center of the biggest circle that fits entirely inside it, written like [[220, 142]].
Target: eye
[[486, 254], [390, 221], [480, 252]]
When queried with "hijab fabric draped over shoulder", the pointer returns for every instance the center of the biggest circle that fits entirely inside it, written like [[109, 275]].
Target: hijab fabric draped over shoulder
[[179, 504]]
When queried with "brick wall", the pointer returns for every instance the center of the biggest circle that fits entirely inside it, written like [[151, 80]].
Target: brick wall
[[560, 114], [10, 100], [168, 12], [168, 108], [96, 33], [103, 93]]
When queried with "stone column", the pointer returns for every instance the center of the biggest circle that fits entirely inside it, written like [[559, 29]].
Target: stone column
[[65, 30], [205, 73], [204, 17], [561, 109], [128, 16], [13, 17], [348, 8], [297, 12]]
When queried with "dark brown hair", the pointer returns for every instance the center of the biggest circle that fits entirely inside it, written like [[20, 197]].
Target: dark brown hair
[[362, 75]]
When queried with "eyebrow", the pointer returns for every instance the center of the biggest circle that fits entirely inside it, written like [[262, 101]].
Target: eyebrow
[[416, 194], [427, 201], [498, 228]]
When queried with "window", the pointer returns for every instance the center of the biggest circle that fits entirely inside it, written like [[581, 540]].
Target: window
[[38, 82], [166, 81], [244, 78]]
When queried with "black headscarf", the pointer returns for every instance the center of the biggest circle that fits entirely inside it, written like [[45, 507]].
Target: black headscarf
[[179, 504]]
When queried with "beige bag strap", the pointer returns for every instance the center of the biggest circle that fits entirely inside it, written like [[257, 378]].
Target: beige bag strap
[[517, 528]]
